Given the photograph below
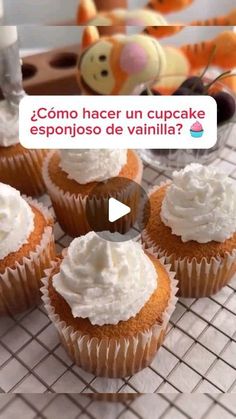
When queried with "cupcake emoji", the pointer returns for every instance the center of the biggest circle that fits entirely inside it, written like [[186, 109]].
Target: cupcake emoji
[[196, 130]]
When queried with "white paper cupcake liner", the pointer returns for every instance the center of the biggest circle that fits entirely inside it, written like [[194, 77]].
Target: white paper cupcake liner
[[20, 286], [71, 210], [28, 164], [110, 357], [195, 278]]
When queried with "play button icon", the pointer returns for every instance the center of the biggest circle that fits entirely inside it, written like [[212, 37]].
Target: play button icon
[[116, 206], [117, 210]]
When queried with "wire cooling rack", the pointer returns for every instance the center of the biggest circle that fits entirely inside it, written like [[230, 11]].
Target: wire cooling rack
[[198, 355], [148, 406]]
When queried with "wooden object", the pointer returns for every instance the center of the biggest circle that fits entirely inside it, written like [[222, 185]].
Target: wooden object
[[52, 72]]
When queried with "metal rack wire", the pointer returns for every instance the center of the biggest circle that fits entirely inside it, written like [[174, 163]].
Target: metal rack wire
[[198, 355], [149, 406]]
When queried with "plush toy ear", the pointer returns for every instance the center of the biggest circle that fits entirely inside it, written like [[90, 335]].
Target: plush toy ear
[[90, 36], [169, 6], [86, 11]]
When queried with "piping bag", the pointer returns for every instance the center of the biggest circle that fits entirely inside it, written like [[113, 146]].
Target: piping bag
[[10, 84]]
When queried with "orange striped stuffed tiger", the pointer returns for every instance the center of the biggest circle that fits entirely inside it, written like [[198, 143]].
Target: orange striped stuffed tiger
[[168, 6], [127, 64], [151, 17], [87, 14]]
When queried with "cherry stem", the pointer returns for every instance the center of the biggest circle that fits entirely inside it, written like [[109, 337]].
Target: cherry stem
[[211, 56], [221, 76], [226, 76], [149, 92]]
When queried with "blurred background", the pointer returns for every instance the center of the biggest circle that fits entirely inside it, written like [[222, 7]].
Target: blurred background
[[25, 12], [40, 37], [42, 11]]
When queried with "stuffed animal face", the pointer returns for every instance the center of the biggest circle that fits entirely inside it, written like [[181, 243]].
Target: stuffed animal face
[[120, 65], [95, 67]]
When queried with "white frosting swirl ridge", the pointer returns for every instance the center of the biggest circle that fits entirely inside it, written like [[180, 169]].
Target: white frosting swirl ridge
[[106, 282], [16, 220], [9, 125], [86, 165], [200, 205]]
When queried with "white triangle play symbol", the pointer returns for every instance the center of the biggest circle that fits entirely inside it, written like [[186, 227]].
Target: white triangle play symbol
[[117, 210]]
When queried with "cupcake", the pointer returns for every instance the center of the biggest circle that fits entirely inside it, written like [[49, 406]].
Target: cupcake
[[19, 167], [26, 249], [193, 225], [111, 303], [73, 179], [196, 130]]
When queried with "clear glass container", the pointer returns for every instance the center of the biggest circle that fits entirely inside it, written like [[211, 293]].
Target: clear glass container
[[171, 159]]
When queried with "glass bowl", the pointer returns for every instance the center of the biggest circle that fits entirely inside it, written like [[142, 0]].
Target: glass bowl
[[172, 159]]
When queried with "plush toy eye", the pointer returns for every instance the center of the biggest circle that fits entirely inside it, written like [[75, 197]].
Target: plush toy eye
[[102, 58], [104, 73]]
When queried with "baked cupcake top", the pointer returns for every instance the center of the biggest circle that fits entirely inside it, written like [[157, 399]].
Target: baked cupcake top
[[89, 165], [200, 205], [106, 282], [9, 124], [16, 220]]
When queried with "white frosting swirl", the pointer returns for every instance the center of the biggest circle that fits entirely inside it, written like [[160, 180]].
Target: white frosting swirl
[[200, 205], [105, 281], [16, 220], [9, 125], [86, 166]]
